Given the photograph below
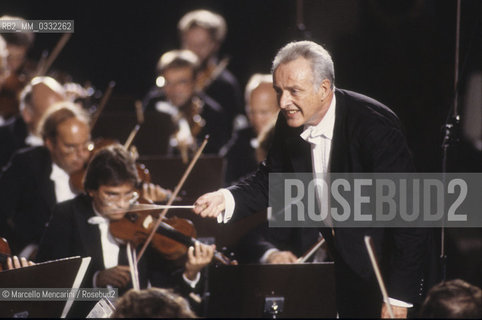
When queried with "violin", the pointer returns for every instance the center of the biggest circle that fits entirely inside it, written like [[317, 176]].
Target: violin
[[5, 252], [171, 239], [206, 76]]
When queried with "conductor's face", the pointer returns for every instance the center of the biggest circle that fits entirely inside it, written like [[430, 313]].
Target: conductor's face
[[299, 100]]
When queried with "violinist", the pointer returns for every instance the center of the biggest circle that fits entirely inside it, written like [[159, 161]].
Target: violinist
[[21, 131], [203, 32], [262, 110], [21, 69], [37, 178], [194, 115], [81, 227]]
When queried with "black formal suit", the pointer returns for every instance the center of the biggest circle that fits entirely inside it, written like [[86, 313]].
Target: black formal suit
[[12, 138], [240, 155], [70, 234], [367, 138], [226, 91], [27, 196]]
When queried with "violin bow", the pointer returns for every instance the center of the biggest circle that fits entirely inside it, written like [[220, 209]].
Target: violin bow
[[376, 269], [311, 251], [58, 47], [173, 197], [131, 257], [140, 120], [102, 104]]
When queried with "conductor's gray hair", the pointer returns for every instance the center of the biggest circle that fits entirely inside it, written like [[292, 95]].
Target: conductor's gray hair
[[321, 63]]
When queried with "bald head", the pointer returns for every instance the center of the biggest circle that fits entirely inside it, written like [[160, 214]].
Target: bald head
[[261, 102]]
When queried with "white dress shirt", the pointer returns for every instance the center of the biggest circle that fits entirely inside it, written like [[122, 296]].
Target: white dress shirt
[[61, 182], [33, 140]]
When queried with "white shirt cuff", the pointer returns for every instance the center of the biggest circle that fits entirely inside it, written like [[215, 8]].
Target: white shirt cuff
[[194, 282], [399, 303], [225, 216], [265, 256]]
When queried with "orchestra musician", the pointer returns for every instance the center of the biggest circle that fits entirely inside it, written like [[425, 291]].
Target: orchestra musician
[[194, 114], [21, 69], [262, 109], [21, 131], [37, 178], [80, 226], [203, 32], [325, 129]]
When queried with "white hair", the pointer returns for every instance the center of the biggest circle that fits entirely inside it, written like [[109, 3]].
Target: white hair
[[321, 63]]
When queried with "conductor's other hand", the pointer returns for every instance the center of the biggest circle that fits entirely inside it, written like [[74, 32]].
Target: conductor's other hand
[[210, 204], [118, 277], [281, 257]]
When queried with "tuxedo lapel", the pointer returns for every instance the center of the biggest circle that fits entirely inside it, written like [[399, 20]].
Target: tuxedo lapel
[[90, 234], [339, 148], [43, 166], [299, 151]]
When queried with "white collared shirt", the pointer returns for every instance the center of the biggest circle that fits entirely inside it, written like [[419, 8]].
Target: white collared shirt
[[33, 140], [61, 182]]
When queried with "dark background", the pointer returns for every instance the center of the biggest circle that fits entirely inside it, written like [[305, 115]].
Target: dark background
[[400, 52]]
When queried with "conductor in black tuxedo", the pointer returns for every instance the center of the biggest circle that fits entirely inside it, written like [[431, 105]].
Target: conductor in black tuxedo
[[80, 227], [324, 129]]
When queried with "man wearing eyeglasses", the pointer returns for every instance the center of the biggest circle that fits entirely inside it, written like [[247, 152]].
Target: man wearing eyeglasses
[[80, 227], [37, 178]]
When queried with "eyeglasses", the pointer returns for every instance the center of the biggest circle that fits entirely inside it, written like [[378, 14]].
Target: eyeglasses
[[113, 199], [69, 149]]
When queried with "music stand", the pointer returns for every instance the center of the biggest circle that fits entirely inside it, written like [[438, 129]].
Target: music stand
[[284, 291], [63, 273]]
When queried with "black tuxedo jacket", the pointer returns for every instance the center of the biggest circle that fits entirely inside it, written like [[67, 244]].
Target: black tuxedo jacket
[[240, 155], [367, 138], [12, 138], [27, 197], [226, 91]]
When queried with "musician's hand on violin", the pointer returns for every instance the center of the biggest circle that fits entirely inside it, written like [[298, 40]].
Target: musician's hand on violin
[[398, 312], [118, 277], [155, 193], [281, 257], [198, 257], [210, 204], [15, 263]]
